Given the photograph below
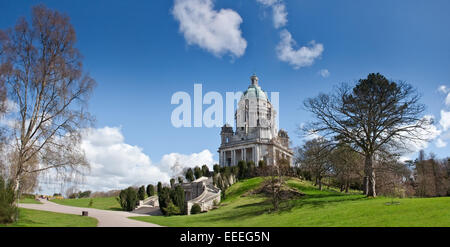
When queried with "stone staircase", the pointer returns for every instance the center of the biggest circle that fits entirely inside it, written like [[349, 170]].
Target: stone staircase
[[149, 206]]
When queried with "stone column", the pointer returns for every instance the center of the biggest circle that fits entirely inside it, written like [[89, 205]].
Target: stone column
[[256, 155], [233, 159], [245, 154]]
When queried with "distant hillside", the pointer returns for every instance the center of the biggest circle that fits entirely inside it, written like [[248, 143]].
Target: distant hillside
[[316, 208]]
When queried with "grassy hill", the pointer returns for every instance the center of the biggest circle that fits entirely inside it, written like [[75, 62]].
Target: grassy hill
[[324, 208], [106, 203], [37, 218]]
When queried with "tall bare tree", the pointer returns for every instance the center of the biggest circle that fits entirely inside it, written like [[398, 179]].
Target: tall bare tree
[[44, 77], [376, 114], [315, 157]]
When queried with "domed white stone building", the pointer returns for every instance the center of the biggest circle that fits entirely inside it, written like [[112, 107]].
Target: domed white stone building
[[256, 137]]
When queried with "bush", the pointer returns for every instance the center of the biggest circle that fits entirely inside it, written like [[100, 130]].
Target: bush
[[178, 198], [198, 172], [8, 209], [164, 199], [128, 199], [141, 193], [159, 187], [91, 202], [216, 169], [171, 209], [84, 194], [242, 169], [150, 190], [27, 196], [190, 175], [196, 209], [205, 170], [172, 200]]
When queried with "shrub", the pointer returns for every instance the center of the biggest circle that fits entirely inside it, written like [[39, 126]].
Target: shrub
[[196, 209], [159, 187], [250, 169], [216, 169], [8, 209], [164, 199], [91, 202], [128, 199], [205, 170], [198, 172], [31, 196], [171, 209], [141, 193], [84, 194], [150, 190], [190, 175], [242, 169], [178, 198], [261, 164]]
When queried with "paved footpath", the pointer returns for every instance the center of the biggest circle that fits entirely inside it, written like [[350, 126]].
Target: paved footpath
[[106, 218]]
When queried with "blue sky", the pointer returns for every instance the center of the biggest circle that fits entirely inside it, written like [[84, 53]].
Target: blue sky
[[139, 58]]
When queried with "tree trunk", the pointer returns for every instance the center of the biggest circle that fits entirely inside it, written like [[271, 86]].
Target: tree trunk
[[365, 184], [346, 187], [320, 184], [369, 179]]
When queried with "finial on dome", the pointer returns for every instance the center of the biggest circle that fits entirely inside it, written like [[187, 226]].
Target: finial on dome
[[254, 79]]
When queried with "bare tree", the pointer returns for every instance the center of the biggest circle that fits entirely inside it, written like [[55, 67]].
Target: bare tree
[[44, 77], [348, 166], [275, 180], [432, 176], [393, 176], [375, 114], [314, 157]]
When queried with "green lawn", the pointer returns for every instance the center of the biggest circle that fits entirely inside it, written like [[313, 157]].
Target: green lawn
[[107, 203], [317, 208], [30, 201], [37, 218]]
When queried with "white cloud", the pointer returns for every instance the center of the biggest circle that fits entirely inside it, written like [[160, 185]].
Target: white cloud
[[302, 57], [267, 2], [177, 162], [440, 143], [429, 133], [279, 13], [215, 31], [324, 73], [443, 89], [117, 165], [445, 119]]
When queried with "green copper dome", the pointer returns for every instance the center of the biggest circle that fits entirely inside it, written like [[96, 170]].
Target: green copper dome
[[254, 90]]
